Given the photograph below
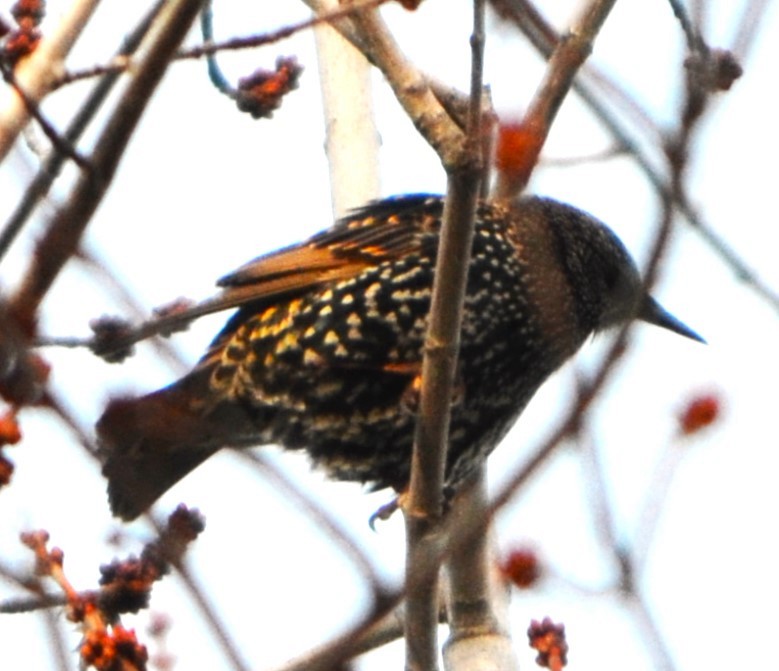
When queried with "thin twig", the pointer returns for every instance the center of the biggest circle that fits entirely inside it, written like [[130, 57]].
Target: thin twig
[[566, 427], [49, 171], [59, 648], [61, 239], [745, 33], [118, 64], [215, 73], [31, 604], [216, 626], [694, 41], [570, 53], [653, 640], [604, 524], [543, 38], [114, 287], [412, 89], [321, 520], [655, 496], [333, 654], [61, 144], [36, 74], [629, 558], [594, 85], [331, 16]]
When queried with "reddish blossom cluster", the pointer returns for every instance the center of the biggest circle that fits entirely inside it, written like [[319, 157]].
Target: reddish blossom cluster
[[517, 150], [113, 649], [125, 587], [106, 645], [21, 40], [261, 93], [700, 412], [522, 567], [24, 379], [9, 435], [548, 639]]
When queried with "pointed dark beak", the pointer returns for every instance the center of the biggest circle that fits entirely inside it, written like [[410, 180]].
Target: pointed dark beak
[[652, 312]]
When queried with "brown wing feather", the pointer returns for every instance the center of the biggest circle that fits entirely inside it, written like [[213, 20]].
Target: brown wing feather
[[370, 236], [304, 259], [270, 278], [379, 231], [338, 253]]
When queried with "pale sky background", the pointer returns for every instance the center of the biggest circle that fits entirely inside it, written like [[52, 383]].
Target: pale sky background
[[202, 189]]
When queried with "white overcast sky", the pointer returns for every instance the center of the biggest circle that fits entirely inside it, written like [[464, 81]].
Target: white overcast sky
[[203, 189]]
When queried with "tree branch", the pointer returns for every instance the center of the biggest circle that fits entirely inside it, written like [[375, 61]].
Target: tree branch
[[61, 239], [412, 90], [570, 53], [477, 603], [50, 169], [36, 74], [423, 510]]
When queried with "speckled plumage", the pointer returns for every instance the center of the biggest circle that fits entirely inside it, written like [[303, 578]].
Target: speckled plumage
[[325, 349]]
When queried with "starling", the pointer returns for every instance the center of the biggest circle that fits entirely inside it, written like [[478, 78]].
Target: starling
[[326, 347]]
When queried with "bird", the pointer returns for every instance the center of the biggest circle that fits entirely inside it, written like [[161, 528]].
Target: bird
[[324, 352]]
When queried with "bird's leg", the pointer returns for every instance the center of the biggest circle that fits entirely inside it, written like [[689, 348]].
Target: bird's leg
[[387, 510]]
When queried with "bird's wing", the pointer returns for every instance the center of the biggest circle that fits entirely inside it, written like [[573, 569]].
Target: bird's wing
[[376, 232], [372, 234], [380, 231]]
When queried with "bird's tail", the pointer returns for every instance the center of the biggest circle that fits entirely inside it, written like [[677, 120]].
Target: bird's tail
[[149, 443]]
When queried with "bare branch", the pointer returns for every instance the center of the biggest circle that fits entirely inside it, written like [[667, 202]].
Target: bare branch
[[477, 604], [423, 509], [322, 521], [563, 66], [544, 38], [49, 171], [62, 238], [61, 144], [36, 74], [412, 90]]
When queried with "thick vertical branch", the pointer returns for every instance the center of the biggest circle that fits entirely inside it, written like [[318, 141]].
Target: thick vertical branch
[[424, 506], [475, 609], [442, 344], [477, 603]]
